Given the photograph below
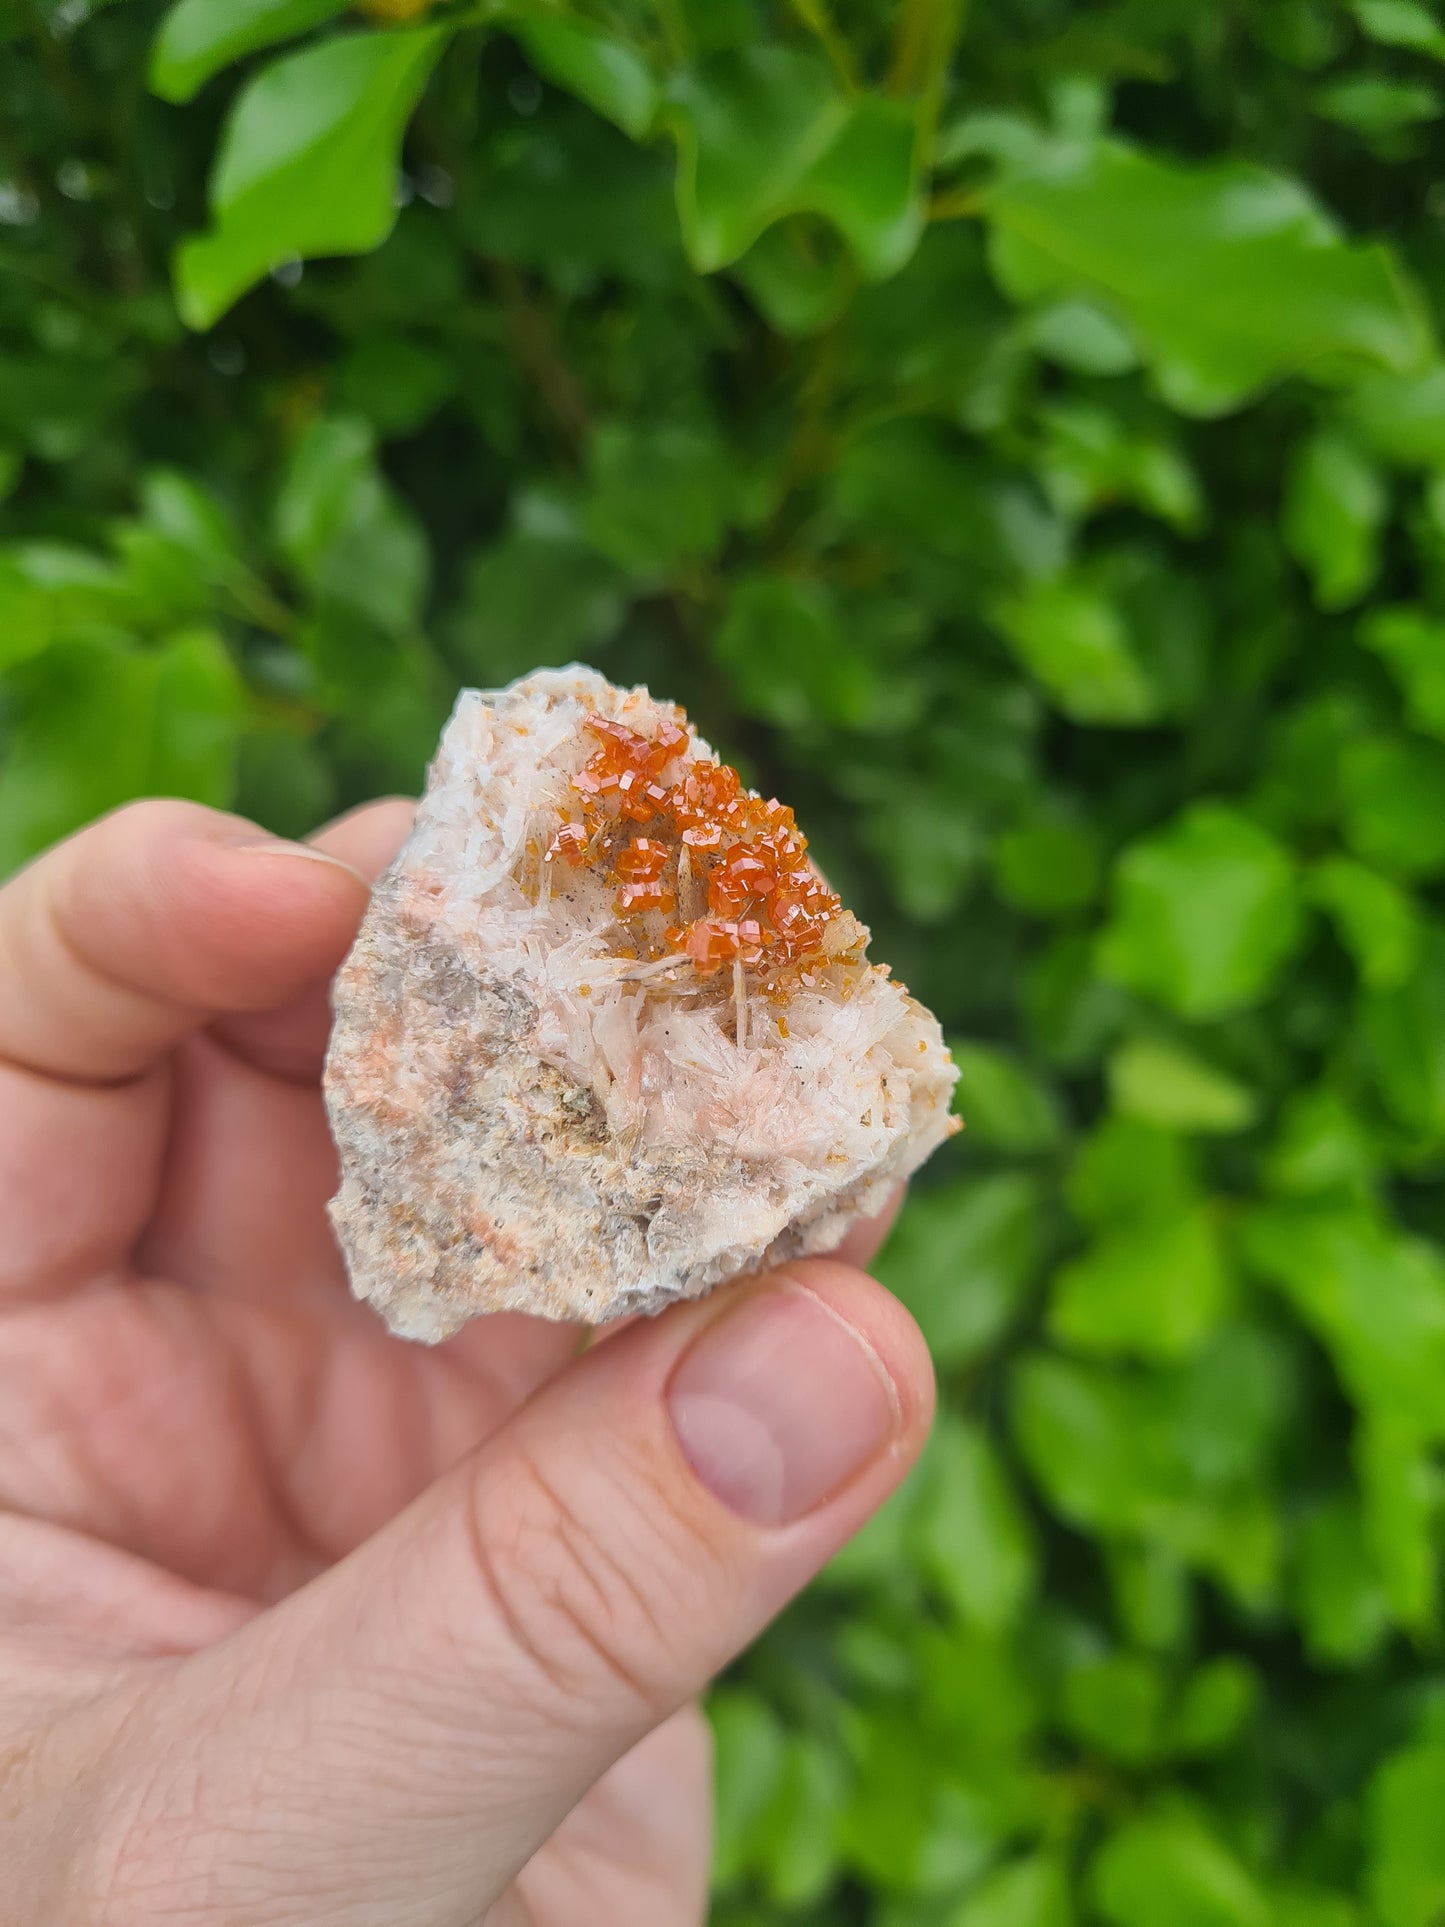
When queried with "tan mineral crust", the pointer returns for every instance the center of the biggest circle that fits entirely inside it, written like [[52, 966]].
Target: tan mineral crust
[[605, 1037]]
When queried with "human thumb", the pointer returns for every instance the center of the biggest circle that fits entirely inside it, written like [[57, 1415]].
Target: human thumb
[[395, 1741]]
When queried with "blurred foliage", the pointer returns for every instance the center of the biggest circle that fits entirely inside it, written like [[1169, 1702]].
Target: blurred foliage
[[1018, 435]]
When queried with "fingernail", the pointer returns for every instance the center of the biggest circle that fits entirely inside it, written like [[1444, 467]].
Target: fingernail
[[780, 1403], [259, 844]]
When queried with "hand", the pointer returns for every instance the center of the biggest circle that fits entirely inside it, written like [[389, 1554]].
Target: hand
[[300, 1623]]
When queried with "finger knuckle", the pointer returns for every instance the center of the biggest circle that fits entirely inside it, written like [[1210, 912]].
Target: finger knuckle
[[594, 1590]]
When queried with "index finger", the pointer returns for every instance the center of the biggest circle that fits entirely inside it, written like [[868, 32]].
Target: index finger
[[290, 1040], [152, 923]]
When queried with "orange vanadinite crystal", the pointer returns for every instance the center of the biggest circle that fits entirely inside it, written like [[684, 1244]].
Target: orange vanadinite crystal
[[767, 908], [640, 865], [570, 841], [705, 804], [628, 768]]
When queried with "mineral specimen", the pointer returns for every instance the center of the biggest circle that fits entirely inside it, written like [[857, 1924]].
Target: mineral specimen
[[606, 1037]]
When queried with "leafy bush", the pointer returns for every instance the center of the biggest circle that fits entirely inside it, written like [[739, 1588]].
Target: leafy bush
[[1006, 433]]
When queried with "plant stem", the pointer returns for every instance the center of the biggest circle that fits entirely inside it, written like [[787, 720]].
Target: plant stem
[[816, 18]]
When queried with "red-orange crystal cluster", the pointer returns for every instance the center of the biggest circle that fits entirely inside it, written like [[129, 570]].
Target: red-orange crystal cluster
[[766, 906]]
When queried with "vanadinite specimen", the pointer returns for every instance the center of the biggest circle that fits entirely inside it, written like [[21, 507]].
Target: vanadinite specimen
[[606, 1037]]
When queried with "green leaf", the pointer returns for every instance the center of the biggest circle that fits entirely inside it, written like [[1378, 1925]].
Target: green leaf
[[765, 132], [535, 597], [749, 1753], [1121, 640], [1341, 1602], [1412, 643], [791, 659], [1373, 1296], [200, 37], [29, 617], [1092, 458], [1323, 1145], [1306, 1905], [1153, 1594], [984, 1703], [1081, 335], [1394, 803], [1115, 1706], [1048, 865], [397, 384], [661, 494], [199, 705], [913, 1824], [962, 1257], [1301, 766], [1075, 641], [1165, 1084], [968, 1533], [1376, 920], [1128, 1172], [1377, 107], [1073, 1014], [1401, 1493], [185, 515], [57, 404], [1025, 1893], [798, 1838], [1216, 1703], [1401, 23], [1205, 913], [1002, 1104], [382, 687], [80, 590], [1406, 1879], [1335, 509], [98, 722], [345, 532], [161, 584], [879, 1554], [798, 283], [284, 782], [1176, 1457], [1401, 417], [607, 73], [1170, 1867], [1230, 277], [307, 164], [575, 199], [910, 483], [1155, 1289], [937, 334], [912, 486], [1403, 1033], [929, 853]]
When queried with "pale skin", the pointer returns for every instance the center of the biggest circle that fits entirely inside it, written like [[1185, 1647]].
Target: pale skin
[[299, 1622]]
